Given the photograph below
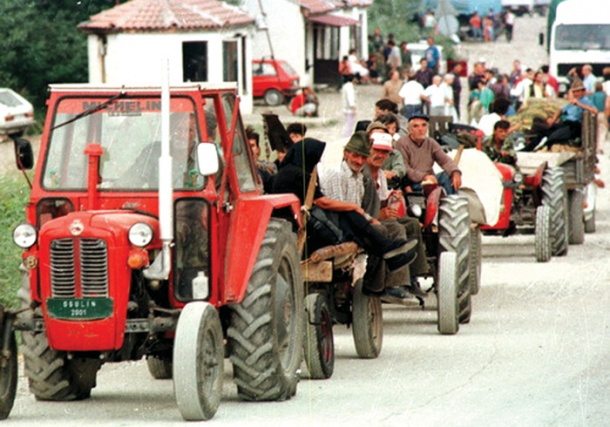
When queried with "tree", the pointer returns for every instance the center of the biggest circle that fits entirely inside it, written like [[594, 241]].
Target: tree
[[42, 45]]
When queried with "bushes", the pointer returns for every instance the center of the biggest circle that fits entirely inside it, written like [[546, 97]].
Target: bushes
[[14, 194]]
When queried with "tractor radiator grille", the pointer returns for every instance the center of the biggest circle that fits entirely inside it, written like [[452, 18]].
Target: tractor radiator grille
[[86, 259]]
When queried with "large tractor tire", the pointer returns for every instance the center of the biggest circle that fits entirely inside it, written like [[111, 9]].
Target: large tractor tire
[[159, 368], [367, 323], [542, 242], [198, 361], [454, 236], [554, 195], [8, 369], [447, 307], [476, 254], [266, 329], [319, 342], [51, 375], [577, 224]]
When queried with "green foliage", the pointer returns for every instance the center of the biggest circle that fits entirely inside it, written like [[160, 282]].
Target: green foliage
[[41, 44], [13, 197]]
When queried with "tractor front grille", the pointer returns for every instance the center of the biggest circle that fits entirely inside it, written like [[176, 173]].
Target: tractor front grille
[[79, 268]]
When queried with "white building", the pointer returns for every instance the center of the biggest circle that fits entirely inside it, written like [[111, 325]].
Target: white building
[[311, 35], [205, 40]]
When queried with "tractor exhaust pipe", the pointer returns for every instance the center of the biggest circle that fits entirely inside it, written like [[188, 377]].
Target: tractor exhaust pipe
[[160, 268]]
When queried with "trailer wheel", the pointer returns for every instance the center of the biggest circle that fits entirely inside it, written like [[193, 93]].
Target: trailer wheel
[[319, 340], [474, 275], [542, 241], [454, 236], [554, 195], [447, 294], [367, 323], [8, 369], [577, 224], [51, 375], [198, 361], [266, 329], [160, 368]]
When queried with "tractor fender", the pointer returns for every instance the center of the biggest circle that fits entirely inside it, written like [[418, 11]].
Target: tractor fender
[[248, 225], [432, 204]]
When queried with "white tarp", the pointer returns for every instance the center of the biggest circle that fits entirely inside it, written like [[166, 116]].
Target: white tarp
[[480, 175]]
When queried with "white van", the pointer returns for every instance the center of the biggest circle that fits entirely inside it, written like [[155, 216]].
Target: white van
[[580, 35]]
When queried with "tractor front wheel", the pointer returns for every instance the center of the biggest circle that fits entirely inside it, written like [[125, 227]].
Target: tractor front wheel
[[577, 225], [266, 329], [367, 323], [447, 294], [319, 339], [455, 236], [51, 375], [555, 197], [542, 240], [8, 368], [198, 361]]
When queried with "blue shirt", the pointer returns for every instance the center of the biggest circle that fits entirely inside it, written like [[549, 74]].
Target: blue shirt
[[573, 113], [599, 100], [432, 56]]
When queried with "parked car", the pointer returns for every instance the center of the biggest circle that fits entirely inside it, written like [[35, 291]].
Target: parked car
[[16, 112], [274, 80]]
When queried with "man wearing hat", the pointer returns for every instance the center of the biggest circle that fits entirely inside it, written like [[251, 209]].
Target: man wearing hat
[[420, 152], [566, 123]]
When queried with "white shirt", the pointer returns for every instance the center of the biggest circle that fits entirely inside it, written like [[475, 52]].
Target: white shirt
[[411, 92], [436, 95]]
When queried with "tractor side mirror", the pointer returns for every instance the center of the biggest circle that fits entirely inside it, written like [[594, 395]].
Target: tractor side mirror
[[208, 158], [24, 156]]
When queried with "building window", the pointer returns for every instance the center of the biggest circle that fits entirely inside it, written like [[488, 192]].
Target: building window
[[195, 61], [229, 61]]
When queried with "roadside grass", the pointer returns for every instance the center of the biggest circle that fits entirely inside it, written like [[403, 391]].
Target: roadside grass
[[14, 194]]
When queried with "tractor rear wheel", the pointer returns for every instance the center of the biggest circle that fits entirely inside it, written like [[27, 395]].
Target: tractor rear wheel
[[577, 225], [474, 276], [454, 236], [542, 241], [554, 196], [51, 375], [447, 294], [319, 339], [8, 370], [198, 361], [160, 368], [266, 329], [367, 323]]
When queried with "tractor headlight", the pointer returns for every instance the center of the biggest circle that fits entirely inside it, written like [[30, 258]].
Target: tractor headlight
[[24, 236], [518, 178], [140, 234]]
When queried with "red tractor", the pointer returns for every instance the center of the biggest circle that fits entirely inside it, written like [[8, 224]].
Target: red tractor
[[147, 235]]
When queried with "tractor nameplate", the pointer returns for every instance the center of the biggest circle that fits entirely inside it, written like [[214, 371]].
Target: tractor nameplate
[[80, 308]]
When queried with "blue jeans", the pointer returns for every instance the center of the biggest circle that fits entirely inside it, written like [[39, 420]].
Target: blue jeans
[[410, 110], [443, 180]]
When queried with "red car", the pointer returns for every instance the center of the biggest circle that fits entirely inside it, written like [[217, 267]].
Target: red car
[[273, 80]]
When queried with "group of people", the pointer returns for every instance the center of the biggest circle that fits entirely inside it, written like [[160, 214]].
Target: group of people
[[488, 27], [355, 200]]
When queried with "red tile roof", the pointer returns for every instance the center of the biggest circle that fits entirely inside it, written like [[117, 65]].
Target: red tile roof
[[166, 15], [341, 4], [317, 6]]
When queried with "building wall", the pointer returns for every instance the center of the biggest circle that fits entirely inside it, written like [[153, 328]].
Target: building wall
[[137, 59], [287, 32]]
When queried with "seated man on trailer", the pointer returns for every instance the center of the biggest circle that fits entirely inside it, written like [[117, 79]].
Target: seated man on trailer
[[345, 183], [499, 146]]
